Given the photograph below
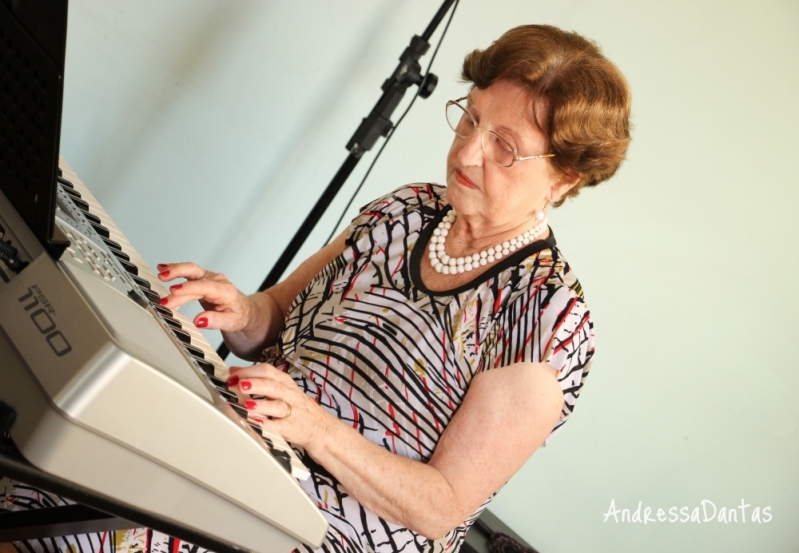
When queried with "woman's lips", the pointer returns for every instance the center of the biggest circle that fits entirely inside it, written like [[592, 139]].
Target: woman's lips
[[464, 180]]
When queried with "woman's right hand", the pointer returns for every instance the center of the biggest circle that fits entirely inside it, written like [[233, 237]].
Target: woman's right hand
[[226, 308]]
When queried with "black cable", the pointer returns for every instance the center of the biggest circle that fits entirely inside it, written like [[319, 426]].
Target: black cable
[[395, 127]]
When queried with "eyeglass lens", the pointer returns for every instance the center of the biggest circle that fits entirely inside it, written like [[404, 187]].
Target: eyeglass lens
[[495, 148]]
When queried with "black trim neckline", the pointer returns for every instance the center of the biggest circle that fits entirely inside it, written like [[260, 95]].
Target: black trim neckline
[[515, 258]]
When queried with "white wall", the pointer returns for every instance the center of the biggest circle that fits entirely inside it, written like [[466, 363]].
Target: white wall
[[208, 128]]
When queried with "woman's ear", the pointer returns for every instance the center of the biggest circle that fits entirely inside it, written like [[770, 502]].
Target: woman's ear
[[565, 182]]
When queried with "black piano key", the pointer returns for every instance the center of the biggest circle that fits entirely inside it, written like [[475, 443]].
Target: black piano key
[[125, 257], [163, 310], [240, 409], [172, 322], [131, 268], [257, 429], [64, 181], [83, 206], [113, 245], [216, 381], [283, 459], [72, 192], [229, 397], [142, 283], [182, 336], [152, 296], [92, 218], [61, 173], [101, 230], [196, 352], [207, 367]]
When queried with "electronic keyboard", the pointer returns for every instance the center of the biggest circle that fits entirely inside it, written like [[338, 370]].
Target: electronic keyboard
[[116, 393]]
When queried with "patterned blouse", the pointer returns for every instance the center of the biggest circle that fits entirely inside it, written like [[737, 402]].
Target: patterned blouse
[[393, 359]]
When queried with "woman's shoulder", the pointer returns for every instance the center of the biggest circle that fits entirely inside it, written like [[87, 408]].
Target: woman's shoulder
[[409, 196], [424, 199]]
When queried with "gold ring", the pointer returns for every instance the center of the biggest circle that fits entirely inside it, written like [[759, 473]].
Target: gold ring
[[289, 413]]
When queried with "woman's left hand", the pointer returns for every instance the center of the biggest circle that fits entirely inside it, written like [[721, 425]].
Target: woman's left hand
[[286, 409]]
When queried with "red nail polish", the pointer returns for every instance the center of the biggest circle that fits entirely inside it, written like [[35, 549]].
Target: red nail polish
[[161, 266], [245, 385], [163, 274], [163, 301], [250, 405], [202, 322], [233, 380], [176, 287], [259, 421]]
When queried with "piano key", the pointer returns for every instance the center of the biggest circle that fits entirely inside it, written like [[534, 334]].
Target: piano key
[[182, 335], [152, 296], [118, 241], [195, 351], [72, 192], [173, 323], [101, 230]]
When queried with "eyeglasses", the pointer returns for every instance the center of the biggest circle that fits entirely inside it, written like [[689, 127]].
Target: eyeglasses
[[495, 148]]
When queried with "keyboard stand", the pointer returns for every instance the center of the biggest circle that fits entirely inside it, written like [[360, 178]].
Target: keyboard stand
[[96, 512]]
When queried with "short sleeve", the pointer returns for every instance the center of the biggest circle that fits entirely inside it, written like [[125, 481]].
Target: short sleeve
[[547, 321], [569, 346], [403, 199]]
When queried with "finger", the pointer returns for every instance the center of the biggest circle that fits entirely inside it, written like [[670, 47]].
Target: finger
[[211, 292], [188, 270], [219, 320], [256, 370], [275, 408], [263, 386]]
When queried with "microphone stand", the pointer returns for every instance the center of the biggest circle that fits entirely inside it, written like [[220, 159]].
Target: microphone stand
[[376, 124]]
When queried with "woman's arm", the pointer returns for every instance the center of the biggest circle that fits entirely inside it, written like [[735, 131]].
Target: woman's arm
[[506, 414], [248, 323]]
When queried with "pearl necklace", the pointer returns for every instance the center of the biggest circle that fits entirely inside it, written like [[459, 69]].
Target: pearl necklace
[[447, 265]]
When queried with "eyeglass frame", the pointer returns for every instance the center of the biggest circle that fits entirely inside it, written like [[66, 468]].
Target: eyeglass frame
[[516, 156]]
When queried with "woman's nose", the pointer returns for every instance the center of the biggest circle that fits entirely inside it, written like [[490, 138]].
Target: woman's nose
[[471, 152]]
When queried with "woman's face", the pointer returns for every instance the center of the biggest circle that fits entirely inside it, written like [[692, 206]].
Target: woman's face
[[498, 197]]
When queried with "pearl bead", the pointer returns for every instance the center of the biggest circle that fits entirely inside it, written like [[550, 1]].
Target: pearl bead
[[444, 264]]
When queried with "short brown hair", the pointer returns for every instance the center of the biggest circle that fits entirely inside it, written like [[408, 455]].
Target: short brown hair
[[585, 97]]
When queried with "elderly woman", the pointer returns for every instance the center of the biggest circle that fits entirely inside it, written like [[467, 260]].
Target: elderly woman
[[422, 357]]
